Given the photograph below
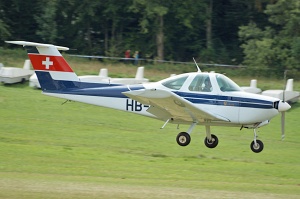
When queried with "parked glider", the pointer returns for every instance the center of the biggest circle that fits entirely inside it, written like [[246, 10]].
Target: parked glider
[[288, 94], [208, 99], [12, 75]]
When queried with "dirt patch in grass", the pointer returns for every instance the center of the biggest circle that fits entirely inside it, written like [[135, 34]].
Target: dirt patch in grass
[[44, 189]]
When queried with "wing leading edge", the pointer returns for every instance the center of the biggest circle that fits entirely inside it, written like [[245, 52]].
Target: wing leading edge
[[166, 104]]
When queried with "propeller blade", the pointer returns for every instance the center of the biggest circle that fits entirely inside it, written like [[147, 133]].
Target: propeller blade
[[284, 85], [282, 124]]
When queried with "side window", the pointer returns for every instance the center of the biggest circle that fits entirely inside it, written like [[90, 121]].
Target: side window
[[226, 84], [201, 83], [175, 84]]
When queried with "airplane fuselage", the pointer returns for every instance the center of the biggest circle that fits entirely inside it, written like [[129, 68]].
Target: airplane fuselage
[[240, 108]]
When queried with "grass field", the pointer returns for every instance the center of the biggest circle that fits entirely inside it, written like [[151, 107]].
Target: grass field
[[74, 150]]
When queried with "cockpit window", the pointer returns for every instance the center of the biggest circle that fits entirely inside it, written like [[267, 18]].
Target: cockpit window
[[226, 84], [201, 83], [176, 83]]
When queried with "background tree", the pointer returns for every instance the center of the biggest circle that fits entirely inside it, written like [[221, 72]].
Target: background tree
[[19, 19], [152, 20], [171, 29], [185, 30], [275, 46], [4, 29], [47, 28]]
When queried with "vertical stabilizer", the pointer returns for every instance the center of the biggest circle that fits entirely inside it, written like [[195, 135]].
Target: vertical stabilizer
[[52, 70], [140, 73], [253, 83], [27, 64], [103, 72], [289, 85]]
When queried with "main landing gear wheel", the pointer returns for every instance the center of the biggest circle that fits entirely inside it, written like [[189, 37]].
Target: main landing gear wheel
[[211, 143], [258, 147], [183, 139]]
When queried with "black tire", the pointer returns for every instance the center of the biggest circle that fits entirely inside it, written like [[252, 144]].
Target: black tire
[[211, 143], [183, 139], [258, 147]]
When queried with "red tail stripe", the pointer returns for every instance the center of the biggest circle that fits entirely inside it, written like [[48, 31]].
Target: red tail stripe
[[49, 63]]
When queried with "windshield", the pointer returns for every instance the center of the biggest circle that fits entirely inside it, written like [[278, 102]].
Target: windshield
[[226, 84], [175, 83]]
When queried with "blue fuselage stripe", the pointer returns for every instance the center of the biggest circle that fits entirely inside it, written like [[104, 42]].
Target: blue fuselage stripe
[[225, 100], [106, 90]]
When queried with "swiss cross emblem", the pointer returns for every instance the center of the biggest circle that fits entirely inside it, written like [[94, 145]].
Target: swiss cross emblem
[[47, 63]]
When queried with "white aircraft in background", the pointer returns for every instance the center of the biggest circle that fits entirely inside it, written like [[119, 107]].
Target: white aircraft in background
[[252, 88], [288, 94], [196, 98], [101, 78], [12, 75]]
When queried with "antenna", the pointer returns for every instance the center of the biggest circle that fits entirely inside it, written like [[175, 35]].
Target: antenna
[[197, 65]]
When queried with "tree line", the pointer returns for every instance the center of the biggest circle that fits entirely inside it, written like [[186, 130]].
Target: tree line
[[256, 33]]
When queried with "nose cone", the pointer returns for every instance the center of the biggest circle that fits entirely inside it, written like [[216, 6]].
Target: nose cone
[[283, 106]]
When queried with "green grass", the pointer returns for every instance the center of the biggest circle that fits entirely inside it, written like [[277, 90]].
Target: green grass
[[74, 150]]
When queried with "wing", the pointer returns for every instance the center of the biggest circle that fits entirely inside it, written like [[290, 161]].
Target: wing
[[166, 104]]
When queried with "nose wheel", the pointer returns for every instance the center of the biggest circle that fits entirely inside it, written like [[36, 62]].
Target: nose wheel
[[256, 145]]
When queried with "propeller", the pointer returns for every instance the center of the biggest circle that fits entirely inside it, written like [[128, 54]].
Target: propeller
[[283, 112]]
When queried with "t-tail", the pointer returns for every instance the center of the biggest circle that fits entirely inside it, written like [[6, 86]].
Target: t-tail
[[52, 70]]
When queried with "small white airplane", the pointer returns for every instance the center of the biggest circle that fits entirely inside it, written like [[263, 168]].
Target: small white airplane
[[101, 78], [288, 94], [208, 99], [12, 75], [252, 88]]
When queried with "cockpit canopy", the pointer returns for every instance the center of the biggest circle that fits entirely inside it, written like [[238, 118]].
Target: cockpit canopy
[[201, 82]]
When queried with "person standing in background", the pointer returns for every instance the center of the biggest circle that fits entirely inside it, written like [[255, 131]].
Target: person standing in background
[[127, 56], [136, 57]]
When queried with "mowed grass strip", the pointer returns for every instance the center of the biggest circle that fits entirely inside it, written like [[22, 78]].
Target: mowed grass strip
[[75, 150]]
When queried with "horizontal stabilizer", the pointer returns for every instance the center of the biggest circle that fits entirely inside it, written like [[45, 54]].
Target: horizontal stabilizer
[[27, 43]]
